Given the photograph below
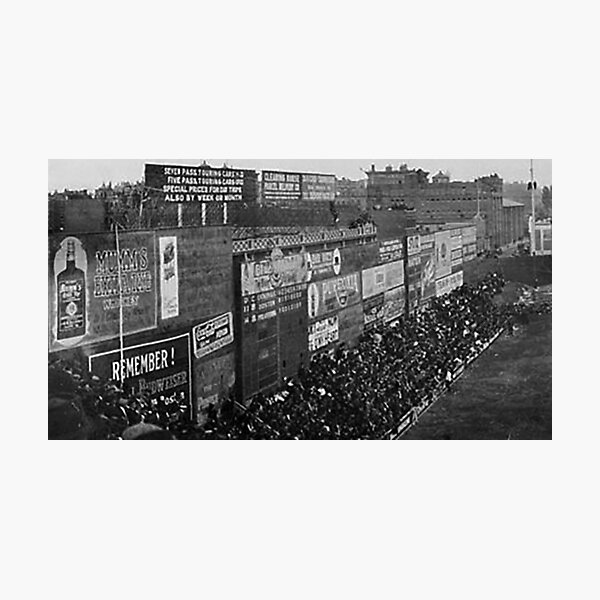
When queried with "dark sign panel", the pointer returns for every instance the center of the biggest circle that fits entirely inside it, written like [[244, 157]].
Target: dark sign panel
[[155, 370], [281, 186], [213, 335], [351, 323], [173, 183], [85, 295]]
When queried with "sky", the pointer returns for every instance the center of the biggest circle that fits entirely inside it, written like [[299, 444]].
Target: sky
[[91, 173]]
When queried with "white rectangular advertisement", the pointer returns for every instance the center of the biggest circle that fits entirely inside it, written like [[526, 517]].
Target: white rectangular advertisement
[[169, 278]]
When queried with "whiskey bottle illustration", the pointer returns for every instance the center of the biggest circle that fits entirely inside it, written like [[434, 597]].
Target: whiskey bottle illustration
[[70, 289]]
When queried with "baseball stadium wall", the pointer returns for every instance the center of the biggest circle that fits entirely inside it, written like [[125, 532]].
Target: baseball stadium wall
[[296, 295], [173, 310], [194, 315]]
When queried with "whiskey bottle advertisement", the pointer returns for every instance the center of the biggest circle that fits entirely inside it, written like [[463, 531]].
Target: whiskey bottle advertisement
[[70, 293]]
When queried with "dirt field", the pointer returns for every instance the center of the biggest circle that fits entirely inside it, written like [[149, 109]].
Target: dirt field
[[507, 393]]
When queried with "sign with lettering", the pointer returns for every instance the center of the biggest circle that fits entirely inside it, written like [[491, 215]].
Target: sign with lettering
[[281, 186], [173, 183], [324, 262], [275, 271], [169, 277], [88, 282], [449, 284], [413, 245], [155, 370], [333, 294], [391, 250], [322, 333], [212, 335], [318, 187]]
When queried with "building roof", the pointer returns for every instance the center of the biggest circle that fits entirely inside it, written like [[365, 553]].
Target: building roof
[[509, 203]]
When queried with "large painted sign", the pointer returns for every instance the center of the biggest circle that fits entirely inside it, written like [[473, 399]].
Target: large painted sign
[[275, 271], [212, 335], [155, 370], [382, 278], [333, 294], [175, 183], [284, 186], [318, 187], [443, 254], [281, 186], [89, 282]]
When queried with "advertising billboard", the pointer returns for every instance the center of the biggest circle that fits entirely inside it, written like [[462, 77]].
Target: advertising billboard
[[394, 304], [155, 370], [413, 245], [212, 335], [428, 289], [391, 250], [374, 312], [333, 294], [278, 185], [274, 271], [169, 277], [382, 278], [318, 187], [89, 282], [173, 183], [448, 284], [324, 263], [322, 333], [443, 254]]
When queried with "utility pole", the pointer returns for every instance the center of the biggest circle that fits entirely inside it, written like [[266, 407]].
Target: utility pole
[[121, 345], [532, 188]]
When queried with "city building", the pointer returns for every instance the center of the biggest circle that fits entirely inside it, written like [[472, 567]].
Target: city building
[[439, 200], [514, 227]]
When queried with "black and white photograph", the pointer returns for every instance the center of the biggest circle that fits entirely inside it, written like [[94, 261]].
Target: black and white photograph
[[230, 299], [346, 326]]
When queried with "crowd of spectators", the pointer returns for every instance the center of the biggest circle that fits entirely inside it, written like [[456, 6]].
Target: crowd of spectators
[[364, 391], [359, 392]]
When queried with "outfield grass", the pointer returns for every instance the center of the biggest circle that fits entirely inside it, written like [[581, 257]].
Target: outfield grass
[[507, 393]]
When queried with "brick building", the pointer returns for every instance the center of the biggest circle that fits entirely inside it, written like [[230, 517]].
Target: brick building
[[513, 222], [439, 200]]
